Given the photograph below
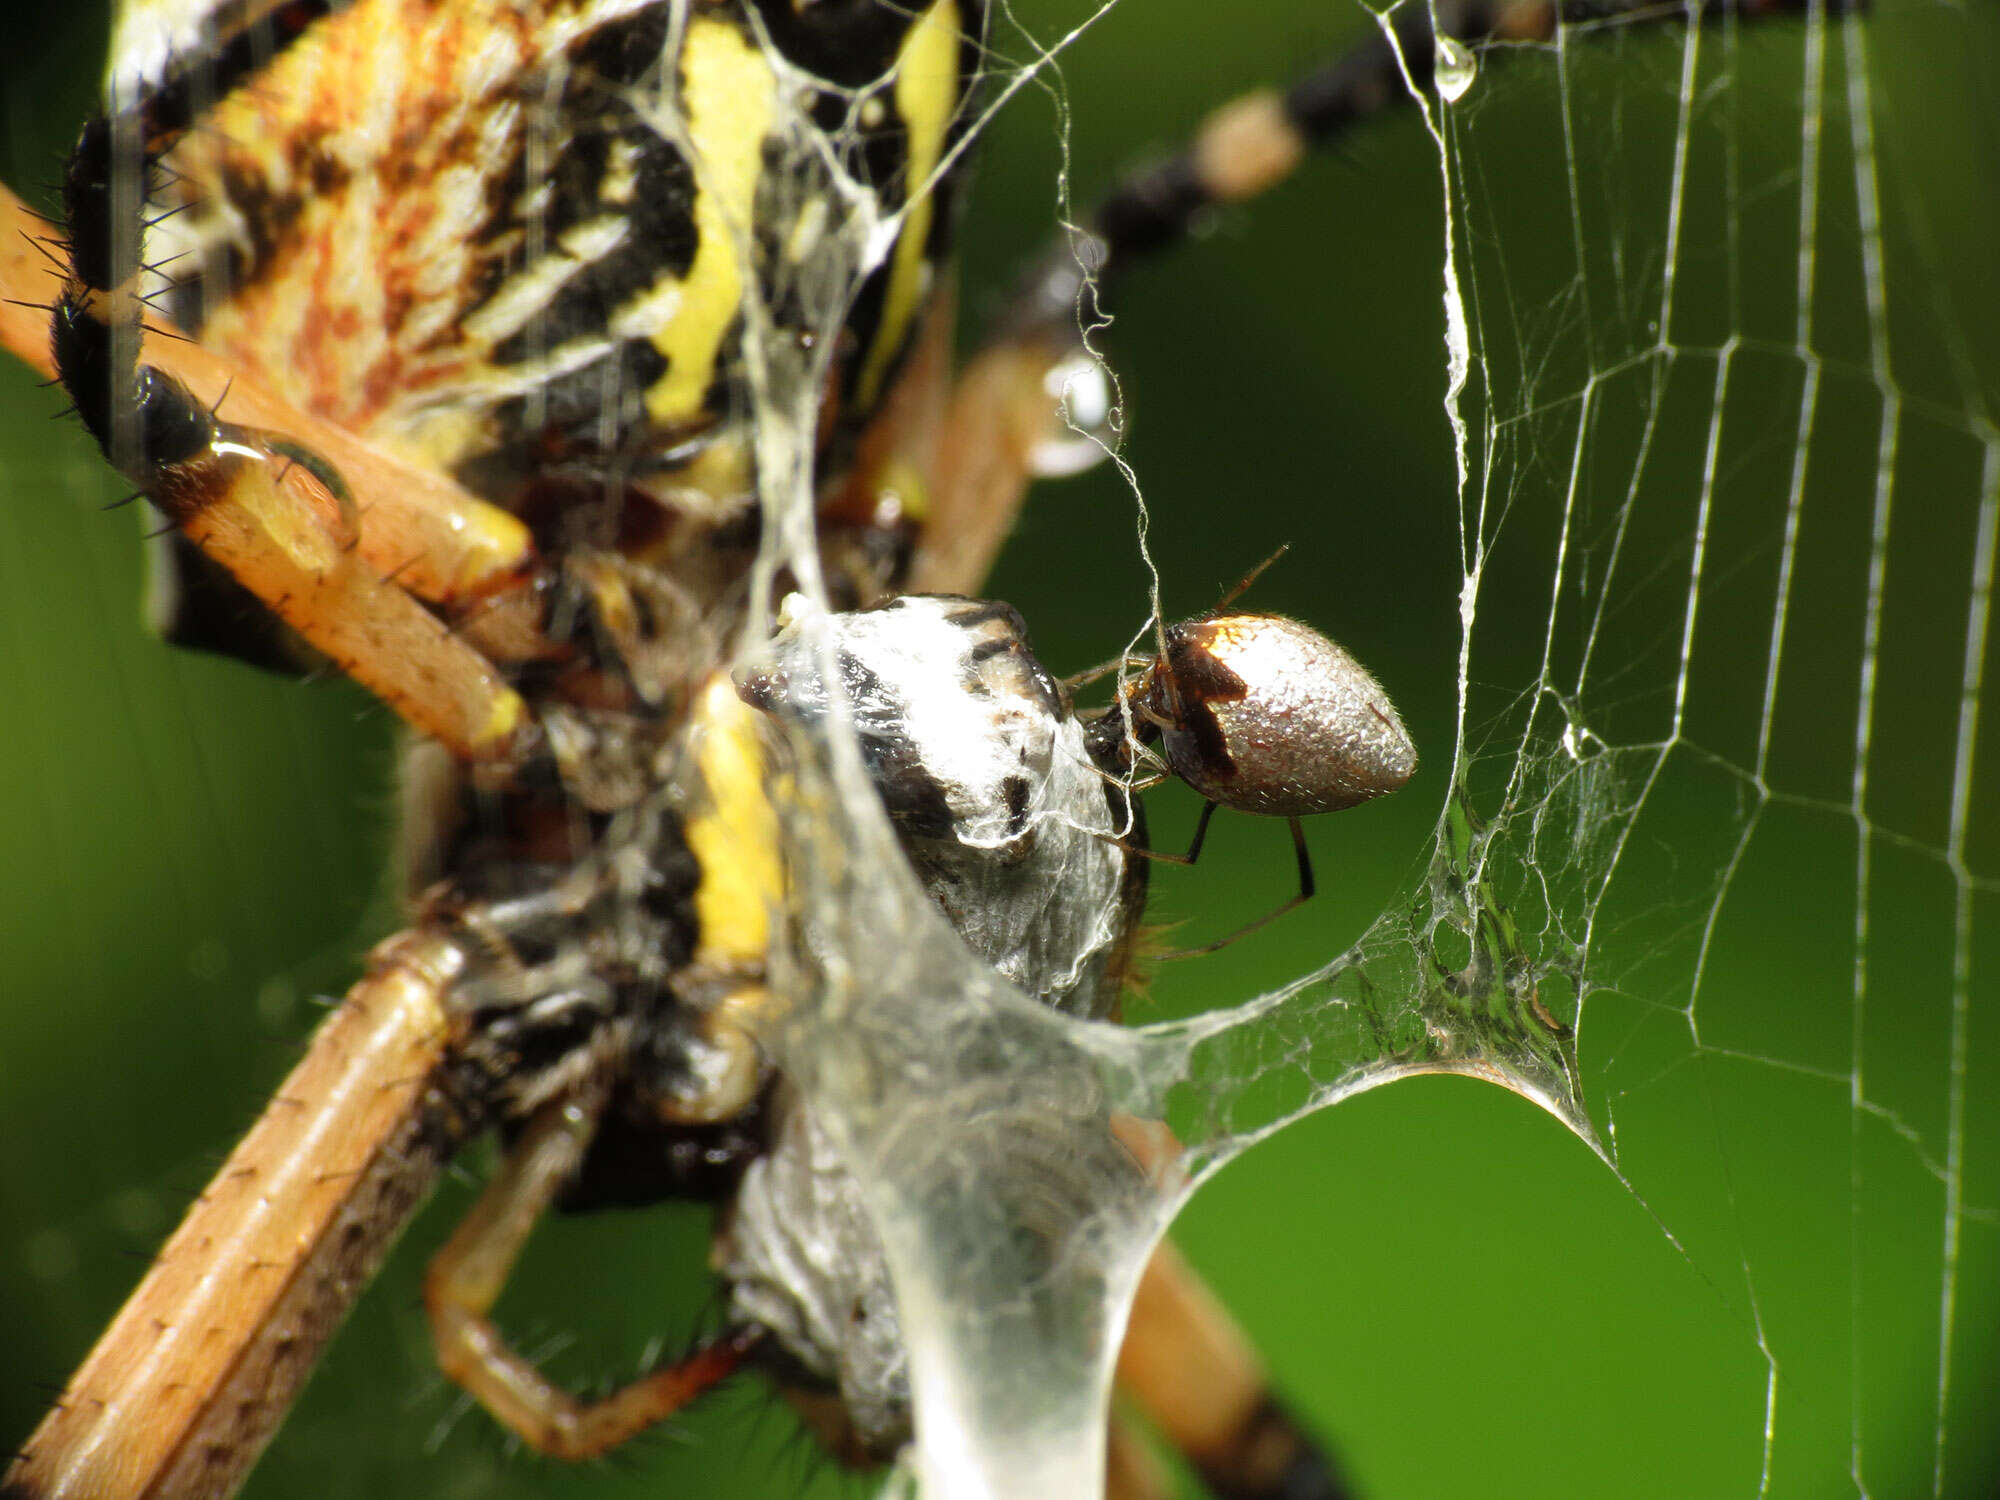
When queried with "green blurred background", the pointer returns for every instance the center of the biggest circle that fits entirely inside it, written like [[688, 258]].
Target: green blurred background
[[1457, 1292]]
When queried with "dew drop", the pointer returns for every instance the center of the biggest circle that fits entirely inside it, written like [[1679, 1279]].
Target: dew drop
[[1455, 67], [1082, 418]]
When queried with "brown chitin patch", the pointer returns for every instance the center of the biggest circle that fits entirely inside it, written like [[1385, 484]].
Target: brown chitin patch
[[1195, 678]]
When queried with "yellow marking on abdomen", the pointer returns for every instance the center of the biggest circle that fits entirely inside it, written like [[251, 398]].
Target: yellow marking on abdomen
[[728, 101], [926, 97], [733, 833]]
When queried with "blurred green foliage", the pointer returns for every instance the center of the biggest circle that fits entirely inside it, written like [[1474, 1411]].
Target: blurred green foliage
[[1461, 1297]]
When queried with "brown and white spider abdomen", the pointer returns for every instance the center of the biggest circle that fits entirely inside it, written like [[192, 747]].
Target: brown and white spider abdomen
[[1261, 713]]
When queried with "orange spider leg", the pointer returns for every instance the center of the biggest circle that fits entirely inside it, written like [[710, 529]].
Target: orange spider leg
[[1000, 410], [31, 279], [263, 516], [1190, 1369], [440, 542], [1003, 409], [186, 1386], [467, 1275], [1192, 1372], [900, 440], [279, 514]]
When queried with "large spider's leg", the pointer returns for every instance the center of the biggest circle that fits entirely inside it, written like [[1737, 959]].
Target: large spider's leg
[[1251, 144], [465, 1280], [1132, 1471], [439, 542], [198, 1369], [442, 543], [1000, 413], [1188, 1366], [276, 516], [273, 511]]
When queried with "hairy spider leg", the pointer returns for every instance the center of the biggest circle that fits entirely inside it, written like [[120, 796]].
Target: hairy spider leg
[[465, 1280], [733, 830], [274, 513], [441, 543], [186, 1386]]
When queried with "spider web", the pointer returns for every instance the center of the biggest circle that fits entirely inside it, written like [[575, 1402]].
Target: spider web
[[1753, 726], [1726, 541], [1698, 605], [1734, 440], [1706, 878]]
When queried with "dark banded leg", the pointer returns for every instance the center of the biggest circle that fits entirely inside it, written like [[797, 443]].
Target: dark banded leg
[[1001, 410], [1190, 1369], [1307, 886], [1251, 144]]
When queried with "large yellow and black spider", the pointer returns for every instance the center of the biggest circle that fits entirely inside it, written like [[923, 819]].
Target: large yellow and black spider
[[497, 300], [1061, 539]]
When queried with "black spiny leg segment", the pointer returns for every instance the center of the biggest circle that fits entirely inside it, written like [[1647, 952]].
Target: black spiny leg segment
[[1253, 143], [277, 518], [144, 420], [1270, 1457]]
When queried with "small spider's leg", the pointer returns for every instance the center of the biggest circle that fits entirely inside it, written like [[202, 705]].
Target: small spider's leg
[[465, 1280], [1251, 144], [1306, 887], [1243, 584], [1102, 670], [1193, 853], [194, 1375], [1140, 783], [1189, 1368], [1201, 833], [1306, 891]]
